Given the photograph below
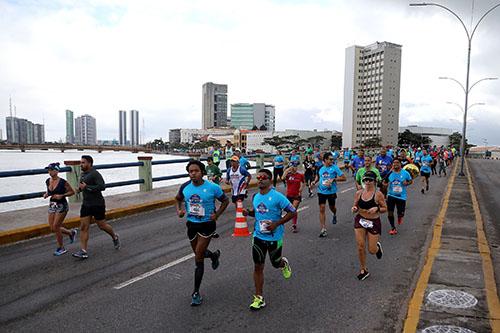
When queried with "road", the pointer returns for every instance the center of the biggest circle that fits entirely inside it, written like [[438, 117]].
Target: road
[[41, 292]]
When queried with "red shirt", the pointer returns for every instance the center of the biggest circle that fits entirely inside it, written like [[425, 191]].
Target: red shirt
[[293, 182]]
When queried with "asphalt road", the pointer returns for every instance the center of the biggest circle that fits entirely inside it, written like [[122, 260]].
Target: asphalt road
[[40, 292], [487, 185]]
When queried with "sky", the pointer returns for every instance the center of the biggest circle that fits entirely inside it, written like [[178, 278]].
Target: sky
[[100, 56]]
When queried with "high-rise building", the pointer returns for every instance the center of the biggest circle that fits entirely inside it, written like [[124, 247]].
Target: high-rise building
[[85, 130], [134, 127], [122, 118], [371, 94], [24, 131], [70, 127], [247, 116], [214, 105]]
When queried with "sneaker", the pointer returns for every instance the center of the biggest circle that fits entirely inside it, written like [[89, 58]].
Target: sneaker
[[72, 237], [311, 195], [215, 235], [422, 190], [323, 233], [294, 228], [393, 232], [196, 299], [82, 254], [380, 252], [116, 242], [427, 187], [258, 303], [60, 251], [400, 220], [286, 270], [334, 219], [363, 275], [215, 259]]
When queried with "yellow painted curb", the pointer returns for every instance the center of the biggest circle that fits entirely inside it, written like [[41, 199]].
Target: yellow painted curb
[[16, 235]]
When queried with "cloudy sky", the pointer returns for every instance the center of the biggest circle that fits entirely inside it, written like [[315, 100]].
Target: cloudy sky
[[100, 56]]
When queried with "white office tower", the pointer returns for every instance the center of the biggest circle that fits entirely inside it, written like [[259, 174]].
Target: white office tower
[[371, 94], [85, 130], [134, 127], [122, 117]]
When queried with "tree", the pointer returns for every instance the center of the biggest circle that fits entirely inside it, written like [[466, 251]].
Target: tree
[[276, 142], [372, 142], [316, 140], [412, 139], [336, 142], [456, 141], [263, 128], [255, 128]]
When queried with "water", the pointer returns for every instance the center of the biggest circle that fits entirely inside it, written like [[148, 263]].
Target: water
[[35, 159]]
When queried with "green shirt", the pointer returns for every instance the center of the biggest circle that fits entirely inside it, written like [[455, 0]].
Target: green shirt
[[213, 171], [361, 172]]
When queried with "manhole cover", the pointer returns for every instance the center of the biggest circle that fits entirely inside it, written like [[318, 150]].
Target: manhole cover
[[446, 329], [452, 298]]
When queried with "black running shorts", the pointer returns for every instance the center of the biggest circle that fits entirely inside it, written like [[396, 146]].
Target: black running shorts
[[203, 229], [400, 204], [98, 212], [322, 198], [261, 247]]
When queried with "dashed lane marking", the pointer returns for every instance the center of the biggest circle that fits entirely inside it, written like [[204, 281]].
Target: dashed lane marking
[[348, 189]]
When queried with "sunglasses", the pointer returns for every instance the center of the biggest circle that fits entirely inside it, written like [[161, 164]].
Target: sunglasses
[[368, 180], [262, 177]]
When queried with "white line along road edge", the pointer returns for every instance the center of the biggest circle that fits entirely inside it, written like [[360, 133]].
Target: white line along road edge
[[154, 271], [348, 189]]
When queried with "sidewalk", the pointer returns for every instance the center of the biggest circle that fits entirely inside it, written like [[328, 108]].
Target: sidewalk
[[456, 291]]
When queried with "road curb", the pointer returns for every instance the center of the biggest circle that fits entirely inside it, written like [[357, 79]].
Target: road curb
[[16, 235]]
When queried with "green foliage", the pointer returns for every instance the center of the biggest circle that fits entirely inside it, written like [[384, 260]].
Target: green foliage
[[409, 138], [336, 142]]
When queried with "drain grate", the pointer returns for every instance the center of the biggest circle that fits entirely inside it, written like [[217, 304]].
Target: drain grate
[[452, 298], [446, 329]]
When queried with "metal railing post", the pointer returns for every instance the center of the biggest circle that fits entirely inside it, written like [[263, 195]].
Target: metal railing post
[[260, 161], [73, 178], [145, 172]]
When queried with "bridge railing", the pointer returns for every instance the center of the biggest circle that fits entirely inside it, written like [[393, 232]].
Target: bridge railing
[[145, 179]]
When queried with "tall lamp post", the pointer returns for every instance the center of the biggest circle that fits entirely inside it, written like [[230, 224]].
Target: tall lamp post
[[466, 88]]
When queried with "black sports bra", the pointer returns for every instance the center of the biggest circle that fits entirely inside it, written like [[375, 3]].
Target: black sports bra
[[367, 204]]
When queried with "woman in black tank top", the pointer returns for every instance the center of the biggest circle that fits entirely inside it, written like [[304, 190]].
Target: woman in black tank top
[[369, 203], [57, 190]]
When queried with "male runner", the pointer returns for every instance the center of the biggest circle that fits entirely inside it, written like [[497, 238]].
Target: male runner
[[397, 181], [268, 205], [197, 198], [279, 165], [239, 178], [213, 172], [93, 205], [243, 161], [361, 173], [295, 183], [383, 162], [357, 162], [294, 157], [327, 178], [228, 150], [425, 170]]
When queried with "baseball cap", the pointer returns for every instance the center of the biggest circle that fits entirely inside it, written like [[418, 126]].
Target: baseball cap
[[235, 158], [370, 175], [53, 166]]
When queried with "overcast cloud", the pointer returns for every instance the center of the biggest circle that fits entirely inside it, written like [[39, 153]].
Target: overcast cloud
[[101, 56]]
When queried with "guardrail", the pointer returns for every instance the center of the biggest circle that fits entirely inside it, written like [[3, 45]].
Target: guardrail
[[145, 180]]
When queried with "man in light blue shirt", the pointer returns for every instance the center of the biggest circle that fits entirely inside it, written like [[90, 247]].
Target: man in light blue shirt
[[425, 170]]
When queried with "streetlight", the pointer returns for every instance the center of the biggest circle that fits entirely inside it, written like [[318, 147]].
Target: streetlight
[[470, 106], [466, 88]]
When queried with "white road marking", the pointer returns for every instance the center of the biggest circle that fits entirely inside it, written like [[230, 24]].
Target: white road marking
[[348, 189], [302, 208], [154, 271]]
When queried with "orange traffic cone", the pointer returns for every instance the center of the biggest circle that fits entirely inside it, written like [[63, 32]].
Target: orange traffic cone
[[240, 226]]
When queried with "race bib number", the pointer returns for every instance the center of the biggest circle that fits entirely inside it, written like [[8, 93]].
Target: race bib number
[[264, 224], [196, 210], [367, 224], [398, 189]]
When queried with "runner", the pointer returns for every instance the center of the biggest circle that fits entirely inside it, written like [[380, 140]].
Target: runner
[[357, 162], [213, 172], [228, 150], [327, 178], [368, 204], [58, 189], [93, 205], [361, 172], [267, 206], [294, 157], [294, 186], [425, 170], [216, 156], [243, 161], [197, 197], [442, 164], [397, 181], [238, 177], [383, 163], [403, 158], [347, 158], [309, 173], [279, 164]]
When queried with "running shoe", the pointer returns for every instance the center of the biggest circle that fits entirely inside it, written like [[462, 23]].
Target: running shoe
[[393, 232], [196, 299], [60, 251], [286, 270], [323, 233], [422, 190], [72, 237], [311, 195], [82, 254], [334, 219], [215, 259], [427, 187], [380, 252], [400, 220], [215, 235], [258, 303], [294, 228], [363, 275], [116, 242]]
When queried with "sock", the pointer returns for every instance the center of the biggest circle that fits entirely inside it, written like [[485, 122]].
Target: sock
[[198, 275], [391, 221]]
